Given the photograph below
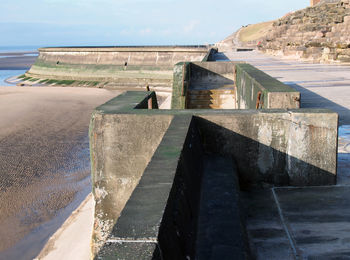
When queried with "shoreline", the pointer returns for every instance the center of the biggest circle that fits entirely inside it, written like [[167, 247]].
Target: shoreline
[[59, 246]]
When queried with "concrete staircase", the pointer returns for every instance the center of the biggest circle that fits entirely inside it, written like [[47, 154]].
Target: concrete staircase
[[211, 99]]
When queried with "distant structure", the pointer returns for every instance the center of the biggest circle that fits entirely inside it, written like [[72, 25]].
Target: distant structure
[[314, 2]]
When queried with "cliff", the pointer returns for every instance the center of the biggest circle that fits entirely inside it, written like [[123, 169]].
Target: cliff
[[318, 34]]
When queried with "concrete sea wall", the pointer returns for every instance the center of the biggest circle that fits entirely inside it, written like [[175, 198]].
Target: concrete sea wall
[[147, 168], [115, 66]]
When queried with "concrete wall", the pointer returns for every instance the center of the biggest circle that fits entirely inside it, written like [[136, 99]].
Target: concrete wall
[[166, 199], [252, 83], [296, 148], [211, 74], [128, 151], [117, 161], [254, 88], [122, 65]]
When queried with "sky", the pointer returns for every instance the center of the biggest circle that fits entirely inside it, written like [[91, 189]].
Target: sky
[[131, 22]]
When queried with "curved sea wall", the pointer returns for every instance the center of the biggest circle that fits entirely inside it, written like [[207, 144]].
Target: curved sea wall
[[114, 66]]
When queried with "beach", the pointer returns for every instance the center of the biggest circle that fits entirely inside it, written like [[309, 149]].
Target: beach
[[45, 168], [45, 188]]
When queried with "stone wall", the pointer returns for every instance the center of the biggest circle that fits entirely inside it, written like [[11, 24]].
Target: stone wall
[[318, 34]]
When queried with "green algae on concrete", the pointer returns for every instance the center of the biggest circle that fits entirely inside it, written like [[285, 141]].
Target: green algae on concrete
[[120, 66]]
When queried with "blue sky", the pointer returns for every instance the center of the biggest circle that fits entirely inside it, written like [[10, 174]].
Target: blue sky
[[131, 22]]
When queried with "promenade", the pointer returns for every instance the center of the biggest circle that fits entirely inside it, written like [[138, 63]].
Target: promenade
[[309, 222]]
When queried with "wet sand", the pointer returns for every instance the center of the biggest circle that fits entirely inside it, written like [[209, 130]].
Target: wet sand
[[44, 162], [17, 60]]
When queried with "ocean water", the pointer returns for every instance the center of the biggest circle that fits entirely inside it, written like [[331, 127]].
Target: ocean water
[[5, 74], [18, 48]]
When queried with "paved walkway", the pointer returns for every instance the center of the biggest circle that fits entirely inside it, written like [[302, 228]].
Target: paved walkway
[[308, 222], [321, 85]]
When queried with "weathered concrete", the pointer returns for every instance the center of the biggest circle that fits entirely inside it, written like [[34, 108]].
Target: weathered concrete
[[115, 66], [320, 85], [229, 85], [166, 200], [270, 147], [125, 159], [319, 231], [256, 89]]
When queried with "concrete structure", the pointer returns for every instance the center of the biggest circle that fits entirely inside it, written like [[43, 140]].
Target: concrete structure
[[149, 167], [117, 67], [228, 85]]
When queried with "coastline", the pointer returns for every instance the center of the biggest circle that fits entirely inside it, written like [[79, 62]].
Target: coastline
[[65, 243]]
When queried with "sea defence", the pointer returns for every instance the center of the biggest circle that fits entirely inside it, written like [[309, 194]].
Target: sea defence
[[153, 171], [228, 85], [115, 67]]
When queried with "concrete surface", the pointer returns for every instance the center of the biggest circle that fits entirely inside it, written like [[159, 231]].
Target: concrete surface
[[229, 85], [320, 85], [308, 222], [116, 67], [270, 147], [221, 230], [267, 234], [64, 243], [165, 201]]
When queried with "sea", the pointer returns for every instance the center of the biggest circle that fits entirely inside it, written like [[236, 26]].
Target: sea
[[8, 73]]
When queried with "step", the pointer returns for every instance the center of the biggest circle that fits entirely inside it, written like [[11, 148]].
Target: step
[[211, 91], [211, 101], [208, 97]]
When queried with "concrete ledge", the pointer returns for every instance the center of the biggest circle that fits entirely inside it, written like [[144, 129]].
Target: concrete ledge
[[179, 48], [256, 89]]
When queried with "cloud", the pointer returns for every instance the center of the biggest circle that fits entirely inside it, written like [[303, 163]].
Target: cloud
[[145, 31], [191, 26]]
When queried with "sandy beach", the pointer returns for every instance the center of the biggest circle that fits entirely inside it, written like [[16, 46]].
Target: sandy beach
[[44, 162]]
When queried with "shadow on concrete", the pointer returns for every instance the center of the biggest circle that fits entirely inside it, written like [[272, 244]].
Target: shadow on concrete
[[221, 56], [203, 78], [172, 230], [310, 99], [247, 153]]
